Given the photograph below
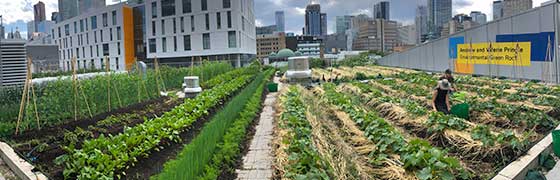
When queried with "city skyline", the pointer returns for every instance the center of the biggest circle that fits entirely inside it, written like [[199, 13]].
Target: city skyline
[[17, 13]]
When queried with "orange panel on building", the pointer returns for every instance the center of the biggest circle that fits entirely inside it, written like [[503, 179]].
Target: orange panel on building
[[464, 68], [128, 32]]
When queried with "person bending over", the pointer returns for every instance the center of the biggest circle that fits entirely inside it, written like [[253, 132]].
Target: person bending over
[[441, 96]]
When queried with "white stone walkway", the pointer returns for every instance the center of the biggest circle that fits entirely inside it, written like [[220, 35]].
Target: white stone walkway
[[257, 164]]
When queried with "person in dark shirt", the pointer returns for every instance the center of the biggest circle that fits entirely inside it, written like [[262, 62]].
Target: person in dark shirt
[[440, 97], [449, 76]]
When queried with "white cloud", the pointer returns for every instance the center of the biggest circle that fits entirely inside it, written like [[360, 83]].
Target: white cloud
[[485, 7], [299, 11], [14, 10], [258, 23]]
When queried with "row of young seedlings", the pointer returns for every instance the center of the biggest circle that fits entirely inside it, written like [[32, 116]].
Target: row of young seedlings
[[473, 144], [100, 158], [415, 155], [217, 147]]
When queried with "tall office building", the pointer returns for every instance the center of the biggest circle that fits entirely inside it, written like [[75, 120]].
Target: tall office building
[[323, 24], [381, 10], [497, 10], [313, 20], [421, 22], [39, 13], [181, 31], [280, 21], [31, 28], [67, 9], [87, 6], [439, 13], [378, 34], [512, 7], [343, 23], [478, 17]]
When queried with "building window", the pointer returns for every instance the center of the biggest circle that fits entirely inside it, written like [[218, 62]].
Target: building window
[[192, 23], [118, 33], [164, 44], [175, 43], [81, 25], [187, 42], [87, 38], [218, 20], [101, 34], [59, 33], [182, 24], [154, 9], [104, 17], [167, 8], [206, 41], [97, 50], [117, 63], [75, 27], [163, 26], [207, 17], [174, 26], [86, 24], [94, 22], [119, 48], [84, 53], [153, 28], [232, 39], [78, 52], [114, 17], [242, 23], [152, 45], [95, 36], [226, 3], [105, 49], [91, 51], [204, 5], [187, 6], [110, 34], [229, 19]]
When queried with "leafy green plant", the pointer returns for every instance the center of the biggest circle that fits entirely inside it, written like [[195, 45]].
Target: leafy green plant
[[191, 161], [438, 122], [101, 157]]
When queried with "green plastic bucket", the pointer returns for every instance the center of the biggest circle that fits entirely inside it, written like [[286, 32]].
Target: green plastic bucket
[[556, 142], [461, 110], [272, 87]]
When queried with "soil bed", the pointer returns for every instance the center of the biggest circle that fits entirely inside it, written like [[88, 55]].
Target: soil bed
[[26, 143]]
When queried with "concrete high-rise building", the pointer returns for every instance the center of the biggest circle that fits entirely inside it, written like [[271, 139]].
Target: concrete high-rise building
[[13, 60], [269, 43], [421, 22], [343, 23], [512, 7], [67, 9], [497, 10], [381, 10], [439, 13], [87, 6], [54, 17], [323, 24], [39, 13], [280, 21], [378, 34], [313, 22], [179, 32], [478, 17], [406, 34]]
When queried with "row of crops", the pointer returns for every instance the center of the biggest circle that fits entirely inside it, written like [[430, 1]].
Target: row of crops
[[55, 100], [384, 128], [161, 138]]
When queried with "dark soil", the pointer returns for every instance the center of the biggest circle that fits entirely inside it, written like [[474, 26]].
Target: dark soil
[[154, 163], [54, 136]]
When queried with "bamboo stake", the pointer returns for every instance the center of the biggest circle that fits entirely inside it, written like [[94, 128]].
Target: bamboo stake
[[22, 104], [139, 79], [156, 74], [30, 77], [108, 83], [75, 87]]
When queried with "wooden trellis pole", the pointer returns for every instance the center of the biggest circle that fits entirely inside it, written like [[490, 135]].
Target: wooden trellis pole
[[28, 86], [158, 76], [108, 83], [77, 88]]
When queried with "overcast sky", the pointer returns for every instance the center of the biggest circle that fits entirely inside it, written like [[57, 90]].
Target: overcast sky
[[17, 12]]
